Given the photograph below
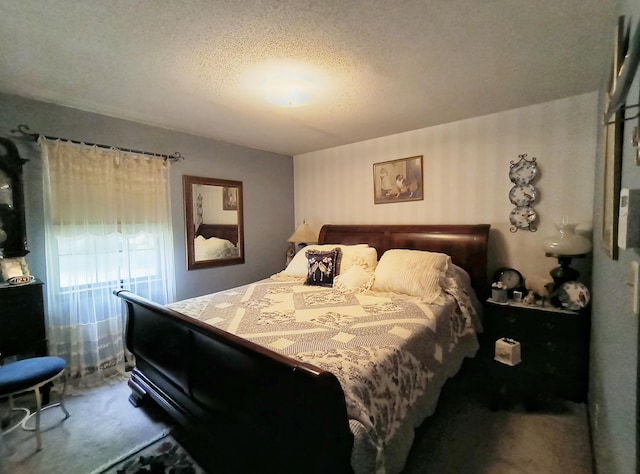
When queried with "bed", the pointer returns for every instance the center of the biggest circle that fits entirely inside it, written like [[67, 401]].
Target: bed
[[221, 231], [285, 376], [214, 241]]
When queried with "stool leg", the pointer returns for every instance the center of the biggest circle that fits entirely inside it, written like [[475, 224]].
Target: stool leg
[[64, 391], [38, 407]]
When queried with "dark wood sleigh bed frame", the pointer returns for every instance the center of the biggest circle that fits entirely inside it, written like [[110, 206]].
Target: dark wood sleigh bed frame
[[261, 411], [221, 231]]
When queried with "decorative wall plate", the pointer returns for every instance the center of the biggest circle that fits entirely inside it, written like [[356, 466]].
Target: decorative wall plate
[[523, 171], [522, 217], [522, 194], [573, 295]]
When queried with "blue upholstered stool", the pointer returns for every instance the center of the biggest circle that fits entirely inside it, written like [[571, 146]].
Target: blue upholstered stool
[[27, 375]]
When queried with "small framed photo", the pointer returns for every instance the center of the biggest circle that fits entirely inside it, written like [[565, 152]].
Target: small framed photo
[[229, 199], [398, 180], [517, 296]]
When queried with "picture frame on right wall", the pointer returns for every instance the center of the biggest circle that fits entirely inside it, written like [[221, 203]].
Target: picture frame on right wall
[[624, 63], [611, 187]]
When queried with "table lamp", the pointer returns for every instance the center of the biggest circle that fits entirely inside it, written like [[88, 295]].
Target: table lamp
[[565, 245], [302, 235]]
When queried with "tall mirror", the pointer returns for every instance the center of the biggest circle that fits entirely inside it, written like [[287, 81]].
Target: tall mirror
[[13, 237], [213, 214]]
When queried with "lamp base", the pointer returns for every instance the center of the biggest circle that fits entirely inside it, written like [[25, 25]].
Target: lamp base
[[564, 272], [291, 252]]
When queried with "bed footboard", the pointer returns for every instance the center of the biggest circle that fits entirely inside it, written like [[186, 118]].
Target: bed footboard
[[269, 412]]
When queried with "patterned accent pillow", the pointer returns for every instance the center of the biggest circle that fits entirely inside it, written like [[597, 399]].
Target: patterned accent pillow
[[322, 266]]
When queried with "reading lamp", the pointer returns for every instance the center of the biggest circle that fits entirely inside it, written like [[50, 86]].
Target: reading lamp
[[565, 245], [302, 235]]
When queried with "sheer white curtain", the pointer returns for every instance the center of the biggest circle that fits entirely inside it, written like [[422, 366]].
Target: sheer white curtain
[[107, 226]]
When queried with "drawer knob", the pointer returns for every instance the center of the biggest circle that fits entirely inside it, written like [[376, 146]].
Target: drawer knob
[[551, 346], [550, 325]]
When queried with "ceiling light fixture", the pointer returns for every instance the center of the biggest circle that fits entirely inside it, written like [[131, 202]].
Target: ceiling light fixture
[[287, 84], [288, 91]]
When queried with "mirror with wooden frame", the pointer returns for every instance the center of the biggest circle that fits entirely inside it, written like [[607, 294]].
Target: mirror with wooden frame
[[214, 226], [13, 234]]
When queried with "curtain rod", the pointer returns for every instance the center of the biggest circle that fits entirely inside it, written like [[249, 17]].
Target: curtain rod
[[25, 131]]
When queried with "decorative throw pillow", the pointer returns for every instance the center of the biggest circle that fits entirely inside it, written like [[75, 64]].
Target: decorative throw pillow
[[358, 256], [411, 272], [355, 280], [323, 266]]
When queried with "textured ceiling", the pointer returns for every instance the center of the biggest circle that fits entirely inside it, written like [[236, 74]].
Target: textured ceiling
[[385, 66]]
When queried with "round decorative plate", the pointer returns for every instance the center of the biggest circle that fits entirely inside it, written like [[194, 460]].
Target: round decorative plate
[[573, 295], [522, 194], [523, 171], [522, 217]]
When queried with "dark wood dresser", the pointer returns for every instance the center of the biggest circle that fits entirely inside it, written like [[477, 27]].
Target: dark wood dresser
[[554, 349], [22, 326]]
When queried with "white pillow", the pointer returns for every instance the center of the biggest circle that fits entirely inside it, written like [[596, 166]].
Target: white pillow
[[298, 267], [355, 279], [411, 272], [361, 256]]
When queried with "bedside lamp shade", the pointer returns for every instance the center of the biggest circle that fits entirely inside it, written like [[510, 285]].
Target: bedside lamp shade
[[303, 235], [564, 245], [566, 242]]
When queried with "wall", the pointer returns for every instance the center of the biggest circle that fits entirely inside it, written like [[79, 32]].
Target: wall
[[614, 336], [267, 186], [466, 167]]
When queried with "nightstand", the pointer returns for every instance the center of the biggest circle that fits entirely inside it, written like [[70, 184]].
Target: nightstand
[[22, 320], [554, 347]]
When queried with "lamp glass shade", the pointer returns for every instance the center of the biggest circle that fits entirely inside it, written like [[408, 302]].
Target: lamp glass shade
[[303, 234], [566, 242]]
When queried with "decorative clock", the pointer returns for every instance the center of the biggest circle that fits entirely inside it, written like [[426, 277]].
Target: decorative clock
[[523, 194], [510, 278]]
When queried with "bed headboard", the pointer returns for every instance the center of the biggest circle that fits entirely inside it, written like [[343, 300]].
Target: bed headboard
[[466, 244], [222, 231]]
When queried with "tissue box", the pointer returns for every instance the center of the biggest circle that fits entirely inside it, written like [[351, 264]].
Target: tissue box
[[508, 351]]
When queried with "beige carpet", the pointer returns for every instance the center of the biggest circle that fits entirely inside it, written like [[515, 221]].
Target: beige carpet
[[464, 436], [103, 426]]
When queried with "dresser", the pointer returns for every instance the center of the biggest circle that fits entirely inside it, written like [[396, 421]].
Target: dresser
[[554, 347], [22, 326]]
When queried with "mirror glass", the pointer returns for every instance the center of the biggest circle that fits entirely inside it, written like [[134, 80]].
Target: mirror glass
[[13, 236], [213, 215]]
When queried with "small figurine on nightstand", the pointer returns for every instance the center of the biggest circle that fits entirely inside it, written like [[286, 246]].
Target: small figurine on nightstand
[[538, 290], [530, 298]]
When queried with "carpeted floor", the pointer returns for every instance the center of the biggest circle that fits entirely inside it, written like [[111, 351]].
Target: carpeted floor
[[463, 436], [103, 426]]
